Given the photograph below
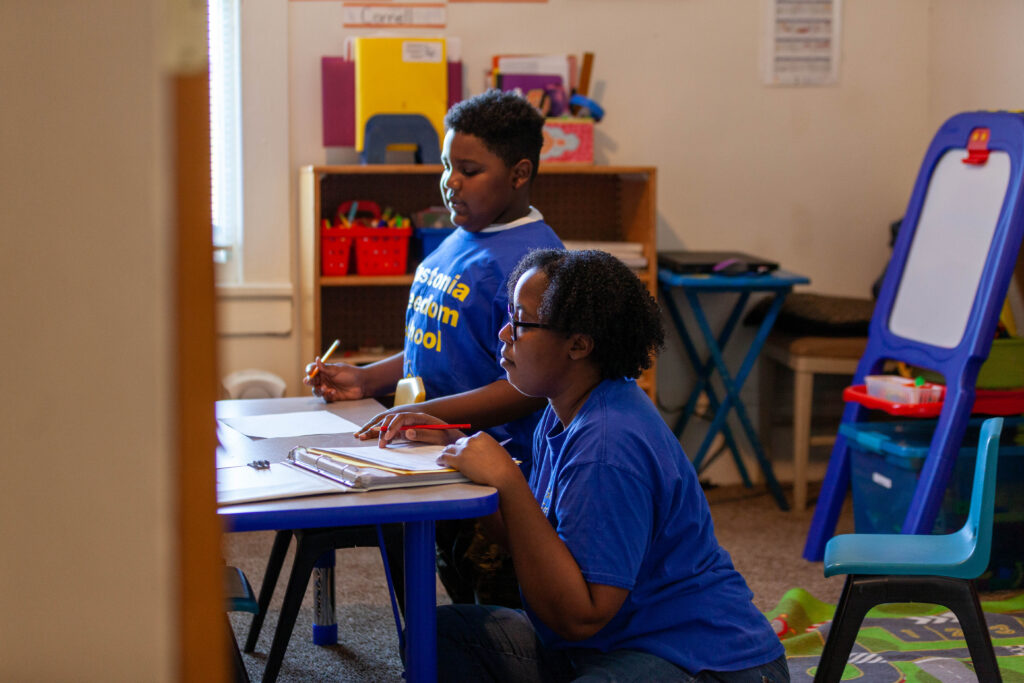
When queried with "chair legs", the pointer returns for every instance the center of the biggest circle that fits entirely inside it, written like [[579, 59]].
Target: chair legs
[[853, 605], [310, 545], [239, 674], [277, 554], [862, 592]]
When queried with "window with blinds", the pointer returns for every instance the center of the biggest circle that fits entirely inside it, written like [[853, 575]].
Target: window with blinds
[[225, 137]]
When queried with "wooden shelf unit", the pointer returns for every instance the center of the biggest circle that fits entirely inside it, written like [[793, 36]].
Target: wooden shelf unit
[[593, 203]]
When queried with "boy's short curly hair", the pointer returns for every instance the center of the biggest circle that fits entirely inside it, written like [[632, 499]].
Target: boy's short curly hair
[[593, 293], [509, 126]]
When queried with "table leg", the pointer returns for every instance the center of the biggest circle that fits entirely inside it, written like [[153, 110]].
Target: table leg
[[703, 369], [702, 381], [325, 625], [717, 361], [694, 358], [420, 603], [732, 400]]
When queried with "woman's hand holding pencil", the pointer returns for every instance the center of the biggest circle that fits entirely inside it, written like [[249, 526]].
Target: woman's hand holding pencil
[[412, 426]]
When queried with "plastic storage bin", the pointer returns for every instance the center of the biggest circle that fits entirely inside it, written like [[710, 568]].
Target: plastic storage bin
[[886, 459], [1003, 369], [335, 251], [896, 389], [428, 239], [381, 251]]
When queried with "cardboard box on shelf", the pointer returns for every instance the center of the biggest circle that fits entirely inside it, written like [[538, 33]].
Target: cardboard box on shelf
[[568, 140]]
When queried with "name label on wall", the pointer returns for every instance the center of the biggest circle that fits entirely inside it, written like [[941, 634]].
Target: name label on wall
[[394, 15]]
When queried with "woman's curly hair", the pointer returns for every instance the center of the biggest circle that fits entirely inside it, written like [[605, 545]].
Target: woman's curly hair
[[591, 292], [509, 126]]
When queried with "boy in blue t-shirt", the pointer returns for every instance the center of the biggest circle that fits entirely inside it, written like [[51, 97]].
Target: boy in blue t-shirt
[[620, 572], [458, 302]]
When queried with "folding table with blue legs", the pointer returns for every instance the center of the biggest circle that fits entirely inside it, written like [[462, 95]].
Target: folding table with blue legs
[[780, 283]]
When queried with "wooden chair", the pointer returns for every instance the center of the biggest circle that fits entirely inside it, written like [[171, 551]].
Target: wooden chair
[[939, 570], [815, 334], [806, 357]]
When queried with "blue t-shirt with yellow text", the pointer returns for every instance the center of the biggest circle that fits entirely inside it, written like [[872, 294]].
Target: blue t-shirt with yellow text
[[458, 303]]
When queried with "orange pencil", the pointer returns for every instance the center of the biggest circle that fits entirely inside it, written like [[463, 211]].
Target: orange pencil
[[327, 355]]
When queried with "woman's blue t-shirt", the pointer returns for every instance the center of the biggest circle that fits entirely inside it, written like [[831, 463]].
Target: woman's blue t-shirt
[[458, 303], [624, 498]]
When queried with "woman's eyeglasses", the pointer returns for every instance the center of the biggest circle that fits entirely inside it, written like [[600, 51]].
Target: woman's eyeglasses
[[516, 324]]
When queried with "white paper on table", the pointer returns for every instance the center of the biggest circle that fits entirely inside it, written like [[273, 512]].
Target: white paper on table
[[244, 484], [406, 456], [291, 424]]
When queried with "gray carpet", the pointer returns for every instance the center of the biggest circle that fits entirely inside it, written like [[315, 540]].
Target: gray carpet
[[765, 544]]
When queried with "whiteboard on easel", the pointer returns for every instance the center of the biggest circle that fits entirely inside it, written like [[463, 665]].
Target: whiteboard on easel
[[947, 256]]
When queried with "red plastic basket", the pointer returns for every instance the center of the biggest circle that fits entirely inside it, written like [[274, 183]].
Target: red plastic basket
[[335, 250], [986, 402], [381, 251]]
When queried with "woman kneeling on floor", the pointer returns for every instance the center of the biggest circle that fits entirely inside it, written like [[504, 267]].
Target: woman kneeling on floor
[[620, 572]]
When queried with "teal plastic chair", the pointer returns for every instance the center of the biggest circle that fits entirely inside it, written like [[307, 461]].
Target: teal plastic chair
[[938, 569]]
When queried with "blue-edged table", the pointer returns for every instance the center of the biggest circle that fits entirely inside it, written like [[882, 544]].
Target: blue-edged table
[[779, 283], [416, 508]]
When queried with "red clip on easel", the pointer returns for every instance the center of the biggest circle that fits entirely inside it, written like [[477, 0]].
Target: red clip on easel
[[977, 147]]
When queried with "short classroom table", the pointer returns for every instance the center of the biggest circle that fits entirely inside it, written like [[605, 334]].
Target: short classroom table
[[417, 508], [780, 283]]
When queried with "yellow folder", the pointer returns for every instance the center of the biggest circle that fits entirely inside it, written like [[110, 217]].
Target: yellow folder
[[400, 76]]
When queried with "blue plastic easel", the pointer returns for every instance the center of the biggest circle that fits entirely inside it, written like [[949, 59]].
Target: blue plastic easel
[[941, 296]]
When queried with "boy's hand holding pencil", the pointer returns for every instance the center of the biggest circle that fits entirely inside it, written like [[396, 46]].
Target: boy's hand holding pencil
[[319, 361], [335, 382]]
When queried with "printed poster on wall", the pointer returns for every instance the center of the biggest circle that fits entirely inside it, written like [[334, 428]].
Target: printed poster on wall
[[801, 42]]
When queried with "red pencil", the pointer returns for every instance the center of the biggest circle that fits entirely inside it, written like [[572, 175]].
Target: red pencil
[[404, 427]]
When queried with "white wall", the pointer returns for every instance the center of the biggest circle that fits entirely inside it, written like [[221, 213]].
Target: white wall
[[87, 570], [975, 57], [809, 176]]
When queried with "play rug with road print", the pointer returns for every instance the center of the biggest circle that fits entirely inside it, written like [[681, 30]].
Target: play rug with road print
[[905, 642]]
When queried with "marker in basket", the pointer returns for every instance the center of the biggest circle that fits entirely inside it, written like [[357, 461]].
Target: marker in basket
[[312, 373]]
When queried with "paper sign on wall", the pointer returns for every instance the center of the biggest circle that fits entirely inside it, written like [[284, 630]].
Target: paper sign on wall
[[800, 44], [394, 15]]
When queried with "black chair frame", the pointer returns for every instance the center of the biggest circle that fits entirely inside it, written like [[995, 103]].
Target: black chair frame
[[862, 592]]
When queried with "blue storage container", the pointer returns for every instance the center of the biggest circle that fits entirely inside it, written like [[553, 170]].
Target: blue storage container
[[886, 459], [428, 239]]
